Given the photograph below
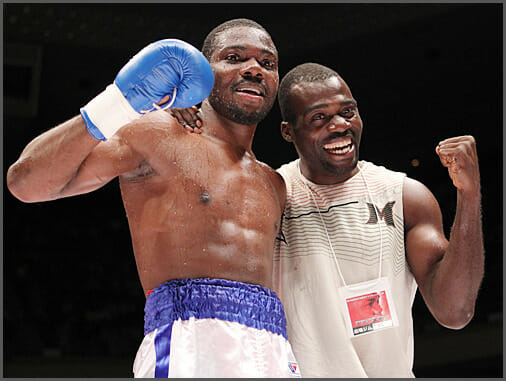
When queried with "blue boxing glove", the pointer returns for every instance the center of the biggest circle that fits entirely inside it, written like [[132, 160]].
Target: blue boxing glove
[[166, 67]]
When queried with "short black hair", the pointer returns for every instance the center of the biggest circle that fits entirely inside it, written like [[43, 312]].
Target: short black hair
[[210, 42], [306, 72]]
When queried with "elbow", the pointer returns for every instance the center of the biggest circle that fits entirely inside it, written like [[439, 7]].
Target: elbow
[[17, 182], [455, 318]]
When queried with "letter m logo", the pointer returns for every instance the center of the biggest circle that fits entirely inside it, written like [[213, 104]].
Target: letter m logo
[[385, 214]]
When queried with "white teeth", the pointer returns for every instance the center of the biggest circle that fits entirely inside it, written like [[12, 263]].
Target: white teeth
[[341, 151], [339, 144], [255, 91], [340, 148]]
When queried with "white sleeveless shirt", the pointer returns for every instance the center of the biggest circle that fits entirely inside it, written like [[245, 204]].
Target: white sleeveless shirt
[[306, 277]]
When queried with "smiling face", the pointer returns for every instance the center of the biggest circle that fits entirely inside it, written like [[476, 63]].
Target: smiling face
[[326, 130], [245, 65]]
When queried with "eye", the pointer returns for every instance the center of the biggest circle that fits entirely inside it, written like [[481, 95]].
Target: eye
[[348, 112], [318, 116], [269, 63], [232, 57], [317, 119]]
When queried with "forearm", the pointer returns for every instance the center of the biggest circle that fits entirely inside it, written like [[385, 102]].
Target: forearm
[[50, 162], [458, 275]]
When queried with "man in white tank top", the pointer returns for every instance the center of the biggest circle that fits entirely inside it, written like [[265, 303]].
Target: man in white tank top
[[358, 239]]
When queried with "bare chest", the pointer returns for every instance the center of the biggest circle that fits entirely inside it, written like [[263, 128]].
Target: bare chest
[[210, 187]]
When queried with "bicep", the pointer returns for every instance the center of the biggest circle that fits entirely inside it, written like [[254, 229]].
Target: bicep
[[424, 236], [108, 160]]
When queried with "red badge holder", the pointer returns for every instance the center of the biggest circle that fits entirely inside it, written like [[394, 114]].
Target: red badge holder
[[368, 307]]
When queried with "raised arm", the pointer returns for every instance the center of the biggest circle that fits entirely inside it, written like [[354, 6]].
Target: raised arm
[[448, 273], [60, 162], [65, 161]]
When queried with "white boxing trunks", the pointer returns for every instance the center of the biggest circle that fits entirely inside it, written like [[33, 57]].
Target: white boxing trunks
[[214, 328]]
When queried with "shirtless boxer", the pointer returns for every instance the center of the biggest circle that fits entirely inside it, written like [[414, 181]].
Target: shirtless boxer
[[203, 212]]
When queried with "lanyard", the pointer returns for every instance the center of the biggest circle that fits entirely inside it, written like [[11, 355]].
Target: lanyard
[[325, 226]]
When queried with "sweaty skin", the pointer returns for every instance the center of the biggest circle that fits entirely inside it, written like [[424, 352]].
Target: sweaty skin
[[198, 205]]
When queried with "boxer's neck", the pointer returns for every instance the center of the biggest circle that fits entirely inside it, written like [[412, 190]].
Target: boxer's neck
[[222, 128]]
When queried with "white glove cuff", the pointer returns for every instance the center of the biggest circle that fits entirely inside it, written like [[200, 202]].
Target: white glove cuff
[[109, 111]]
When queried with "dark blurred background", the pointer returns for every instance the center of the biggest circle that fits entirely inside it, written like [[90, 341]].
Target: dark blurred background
[[73, 304]]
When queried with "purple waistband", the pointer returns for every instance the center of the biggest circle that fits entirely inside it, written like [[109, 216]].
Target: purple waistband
[[252, 305]]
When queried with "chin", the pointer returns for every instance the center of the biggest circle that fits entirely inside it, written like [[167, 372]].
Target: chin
[[237, 114], [241, 117], [340, 167]]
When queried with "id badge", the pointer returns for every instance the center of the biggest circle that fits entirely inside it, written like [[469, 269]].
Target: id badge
[[368, 307]]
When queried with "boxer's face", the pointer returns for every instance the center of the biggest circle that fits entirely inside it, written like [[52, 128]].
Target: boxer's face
[[326, 131], [245, 65]]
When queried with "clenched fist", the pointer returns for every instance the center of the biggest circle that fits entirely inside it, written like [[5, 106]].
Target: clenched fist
[[459, 155]]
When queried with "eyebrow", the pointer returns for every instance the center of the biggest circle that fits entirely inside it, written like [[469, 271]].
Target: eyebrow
[[242, 47], [324, 105]]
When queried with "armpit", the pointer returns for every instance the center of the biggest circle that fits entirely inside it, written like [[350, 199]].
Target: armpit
[[141, 172]]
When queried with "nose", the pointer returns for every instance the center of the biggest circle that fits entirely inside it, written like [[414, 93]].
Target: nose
[[251, 68], [339, 124]]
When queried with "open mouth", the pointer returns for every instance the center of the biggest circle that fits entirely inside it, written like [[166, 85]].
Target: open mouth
[[341, 147], [251, 91]]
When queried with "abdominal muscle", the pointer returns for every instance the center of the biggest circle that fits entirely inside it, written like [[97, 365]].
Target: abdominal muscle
[[176, 235]]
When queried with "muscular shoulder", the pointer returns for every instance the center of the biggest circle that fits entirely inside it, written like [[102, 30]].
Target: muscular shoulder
[[154, 124], [277, 181], [113, 157], [419, 204], [154, 137]]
